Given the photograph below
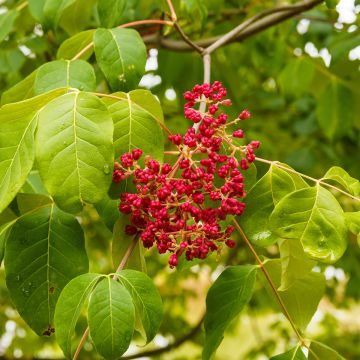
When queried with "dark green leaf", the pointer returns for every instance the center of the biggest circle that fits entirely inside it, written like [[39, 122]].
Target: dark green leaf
[[77, 16], [110, 12], [6, 23], [314, 217], [297, 77], [121, 55], [44, 251], [65, 74], [68, 308], [74, 150], [225, 300], [21, 91], [336, 110], [331, 4], [111, 318], [147, 301], [53, 10], [36, 8], [120, 244], [108, 211]]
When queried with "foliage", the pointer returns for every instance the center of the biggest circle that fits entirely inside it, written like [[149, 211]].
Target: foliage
[[80, 90]]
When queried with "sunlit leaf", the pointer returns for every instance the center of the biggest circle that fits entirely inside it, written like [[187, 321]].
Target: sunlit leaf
[[313, 216], [74, 150], [65, 74]]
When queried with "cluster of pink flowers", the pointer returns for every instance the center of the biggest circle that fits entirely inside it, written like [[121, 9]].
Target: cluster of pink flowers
[[180, 208]]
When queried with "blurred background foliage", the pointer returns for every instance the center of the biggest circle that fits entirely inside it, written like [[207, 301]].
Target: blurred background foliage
[[300, 79]]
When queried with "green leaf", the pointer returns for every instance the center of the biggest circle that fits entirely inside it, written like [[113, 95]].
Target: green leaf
[[352, 220], [108, 210], [293, 354], [36, 8], [65, 74], [53, 10], [11, 61], [18, 124], [336, 110], [302, 298], [33, 184], [250, 177], [323, 352], [6, 23], [7, 220], [111, 318], [121, 55], [294, 262], [342, 44], [29, 202], [21, 91], [44, 251], [77, 16], [314, 217], [340, 176], [331, 4], [120, 244], [74, 150], [260, 201], [68, 309], [110, 12], [147, 301], [136, 117], [225, 300], [74, 45], [297, 76]]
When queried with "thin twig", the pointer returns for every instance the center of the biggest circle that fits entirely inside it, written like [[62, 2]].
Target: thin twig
[[121, 266], [264, 21], [318, 181], [268, 278], [140, 22], [207, 74], [198, 48], [171, 346], [172, 11]]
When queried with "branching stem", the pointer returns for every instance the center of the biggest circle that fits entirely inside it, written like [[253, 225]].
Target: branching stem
[[121, 266], [318, 181]]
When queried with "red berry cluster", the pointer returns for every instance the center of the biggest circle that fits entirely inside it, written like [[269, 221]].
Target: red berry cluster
[[180, 208]]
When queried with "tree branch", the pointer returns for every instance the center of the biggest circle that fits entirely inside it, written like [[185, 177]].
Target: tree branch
[[254, 25], [171, 346]]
